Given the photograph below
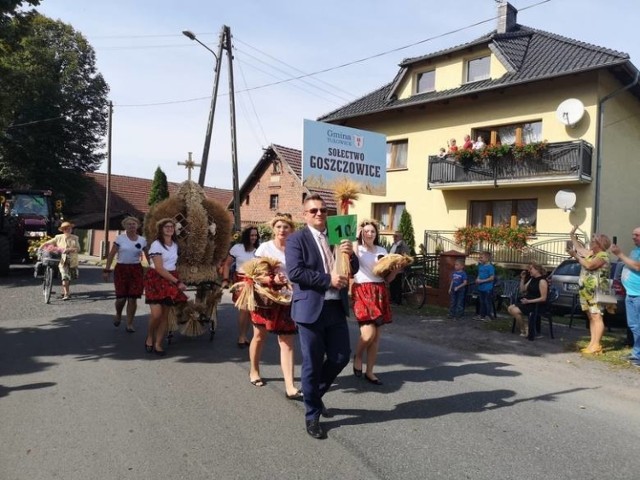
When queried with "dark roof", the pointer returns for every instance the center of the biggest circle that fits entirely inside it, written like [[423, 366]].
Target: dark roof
[[291, 158], [129, 196], [528, 55]]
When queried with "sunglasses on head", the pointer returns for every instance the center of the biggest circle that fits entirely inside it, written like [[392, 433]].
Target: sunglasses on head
[[314, 211]]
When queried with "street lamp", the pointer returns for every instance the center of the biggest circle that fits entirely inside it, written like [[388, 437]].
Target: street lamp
[[207, 140]]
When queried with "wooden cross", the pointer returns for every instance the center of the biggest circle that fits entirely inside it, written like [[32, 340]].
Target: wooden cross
[[190, 165]]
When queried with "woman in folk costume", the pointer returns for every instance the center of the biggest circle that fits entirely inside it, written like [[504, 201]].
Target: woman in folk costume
[[69, 246], [162, 287], [240, 253], [371, 302], [273, 317], [128, 275]]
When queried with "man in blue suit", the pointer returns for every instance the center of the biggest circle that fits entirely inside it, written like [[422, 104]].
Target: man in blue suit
[[320, 306]]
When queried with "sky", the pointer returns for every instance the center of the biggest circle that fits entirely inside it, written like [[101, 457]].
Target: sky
[[161, 82]]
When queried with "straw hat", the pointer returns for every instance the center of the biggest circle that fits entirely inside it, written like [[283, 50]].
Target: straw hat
[[64, 225]]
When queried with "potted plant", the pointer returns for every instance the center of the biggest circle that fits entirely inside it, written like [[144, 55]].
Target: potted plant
[[503, 235]]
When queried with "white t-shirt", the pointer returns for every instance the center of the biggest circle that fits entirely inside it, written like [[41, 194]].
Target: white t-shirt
[[269, 249], [241, 255], [169, 254], [367, 261], [129, 251]]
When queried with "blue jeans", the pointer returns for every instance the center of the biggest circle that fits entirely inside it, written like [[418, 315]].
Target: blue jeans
[[486, 303], [456, 304], [632, 305]]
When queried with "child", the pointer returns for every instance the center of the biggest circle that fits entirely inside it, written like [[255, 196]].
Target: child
[[484, 282], [457, 290]]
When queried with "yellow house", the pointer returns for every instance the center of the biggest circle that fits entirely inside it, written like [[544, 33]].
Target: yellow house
[[514, 86]]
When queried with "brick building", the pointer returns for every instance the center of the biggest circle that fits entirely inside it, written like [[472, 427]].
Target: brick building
[[275, 185]]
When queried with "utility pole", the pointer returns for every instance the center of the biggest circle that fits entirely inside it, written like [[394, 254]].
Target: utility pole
[[234, 147], [107, 195], [225, 43]]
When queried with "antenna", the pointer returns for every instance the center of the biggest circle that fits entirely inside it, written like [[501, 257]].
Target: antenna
[[570, 112], [565, 199]]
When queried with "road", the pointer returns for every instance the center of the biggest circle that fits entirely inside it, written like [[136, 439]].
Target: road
[[80, 399]]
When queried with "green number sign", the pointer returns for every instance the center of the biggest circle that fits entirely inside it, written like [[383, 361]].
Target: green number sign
[[341, 227]]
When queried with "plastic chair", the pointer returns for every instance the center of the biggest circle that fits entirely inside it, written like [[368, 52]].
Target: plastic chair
[[542, 311], [509, 293]]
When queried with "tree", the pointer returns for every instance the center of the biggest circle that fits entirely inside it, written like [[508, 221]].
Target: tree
[[406, 228], [53, 115], [9, 8], [159, 188]]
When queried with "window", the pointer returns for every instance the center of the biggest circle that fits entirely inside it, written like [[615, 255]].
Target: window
[[304, 197], [397, 154], [426, 81], [248, 198], [478, 69], [513, 213], [273, 202], [520, 133], [388, 215], [277, 168]]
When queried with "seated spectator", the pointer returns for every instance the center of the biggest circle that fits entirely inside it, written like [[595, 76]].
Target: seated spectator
[[479, 144], [453, 148], [534, 288], [468, 144]]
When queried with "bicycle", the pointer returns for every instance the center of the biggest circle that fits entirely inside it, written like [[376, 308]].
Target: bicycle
[[50, 260], [414, 289]]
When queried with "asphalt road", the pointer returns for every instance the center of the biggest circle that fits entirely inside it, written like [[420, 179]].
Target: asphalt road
[[80, 399]]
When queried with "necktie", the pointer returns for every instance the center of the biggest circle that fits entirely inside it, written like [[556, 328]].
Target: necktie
[[326, 251]]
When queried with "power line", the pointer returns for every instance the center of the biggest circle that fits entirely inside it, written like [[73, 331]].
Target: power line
[[292, 67], [36, 121], [348, 64]]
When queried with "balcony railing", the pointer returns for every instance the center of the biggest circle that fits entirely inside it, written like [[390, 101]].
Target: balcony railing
[[548, 249], [561, 162]]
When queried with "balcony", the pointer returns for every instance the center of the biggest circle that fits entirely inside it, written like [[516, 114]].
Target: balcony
[[561, 163], [547, 249]]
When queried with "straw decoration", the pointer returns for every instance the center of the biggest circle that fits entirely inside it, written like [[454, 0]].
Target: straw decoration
[[390, 262]]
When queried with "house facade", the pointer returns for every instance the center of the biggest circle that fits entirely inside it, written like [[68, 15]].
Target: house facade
[[275, 185], [506, 87]]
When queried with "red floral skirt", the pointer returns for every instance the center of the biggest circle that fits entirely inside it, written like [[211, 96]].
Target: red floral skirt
[[237, 277], [128, 279], [275, 318], [160, 290], [371, 302]]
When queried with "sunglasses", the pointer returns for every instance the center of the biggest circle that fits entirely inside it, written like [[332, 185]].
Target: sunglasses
[[315, 211]]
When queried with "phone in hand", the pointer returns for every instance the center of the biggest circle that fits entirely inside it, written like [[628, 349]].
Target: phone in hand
[[615, 240]]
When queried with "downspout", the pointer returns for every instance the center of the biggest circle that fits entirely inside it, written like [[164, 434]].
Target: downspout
[[596, 206]]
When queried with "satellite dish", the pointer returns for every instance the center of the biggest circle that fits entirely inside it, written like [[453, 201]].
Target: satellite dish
[[565, 199], [570, 112]]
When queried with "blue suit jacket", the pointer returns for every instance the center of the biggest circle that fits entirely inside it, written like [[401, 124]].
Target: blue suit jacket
[[305, 268]]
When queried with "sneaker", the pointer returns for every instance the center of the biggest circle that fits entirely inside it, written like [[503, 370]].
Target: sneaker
[[477, 317], [635, 363], [65, 297]]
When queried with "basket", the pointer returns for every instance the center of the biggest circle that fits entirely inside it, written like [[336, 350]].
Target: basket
[[50, 257]]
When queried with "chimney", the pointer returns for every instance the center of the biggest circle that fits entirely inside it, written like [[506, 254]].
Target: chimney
[[507, 16]]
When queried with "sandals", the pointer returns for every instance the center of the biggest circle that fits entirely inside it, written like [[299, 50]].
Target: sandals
[[130, 329], [116, 322], [296, 396], [148, 348], [258, 382]]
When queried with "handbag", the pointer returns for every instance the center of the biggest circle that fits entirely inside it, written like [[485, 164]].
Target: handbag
[[605, 298]]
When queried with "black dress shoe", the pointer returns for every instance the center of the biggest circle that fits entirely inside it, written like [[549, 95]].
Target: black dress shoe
[[325, 411], [375, 381], [315, 429]]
